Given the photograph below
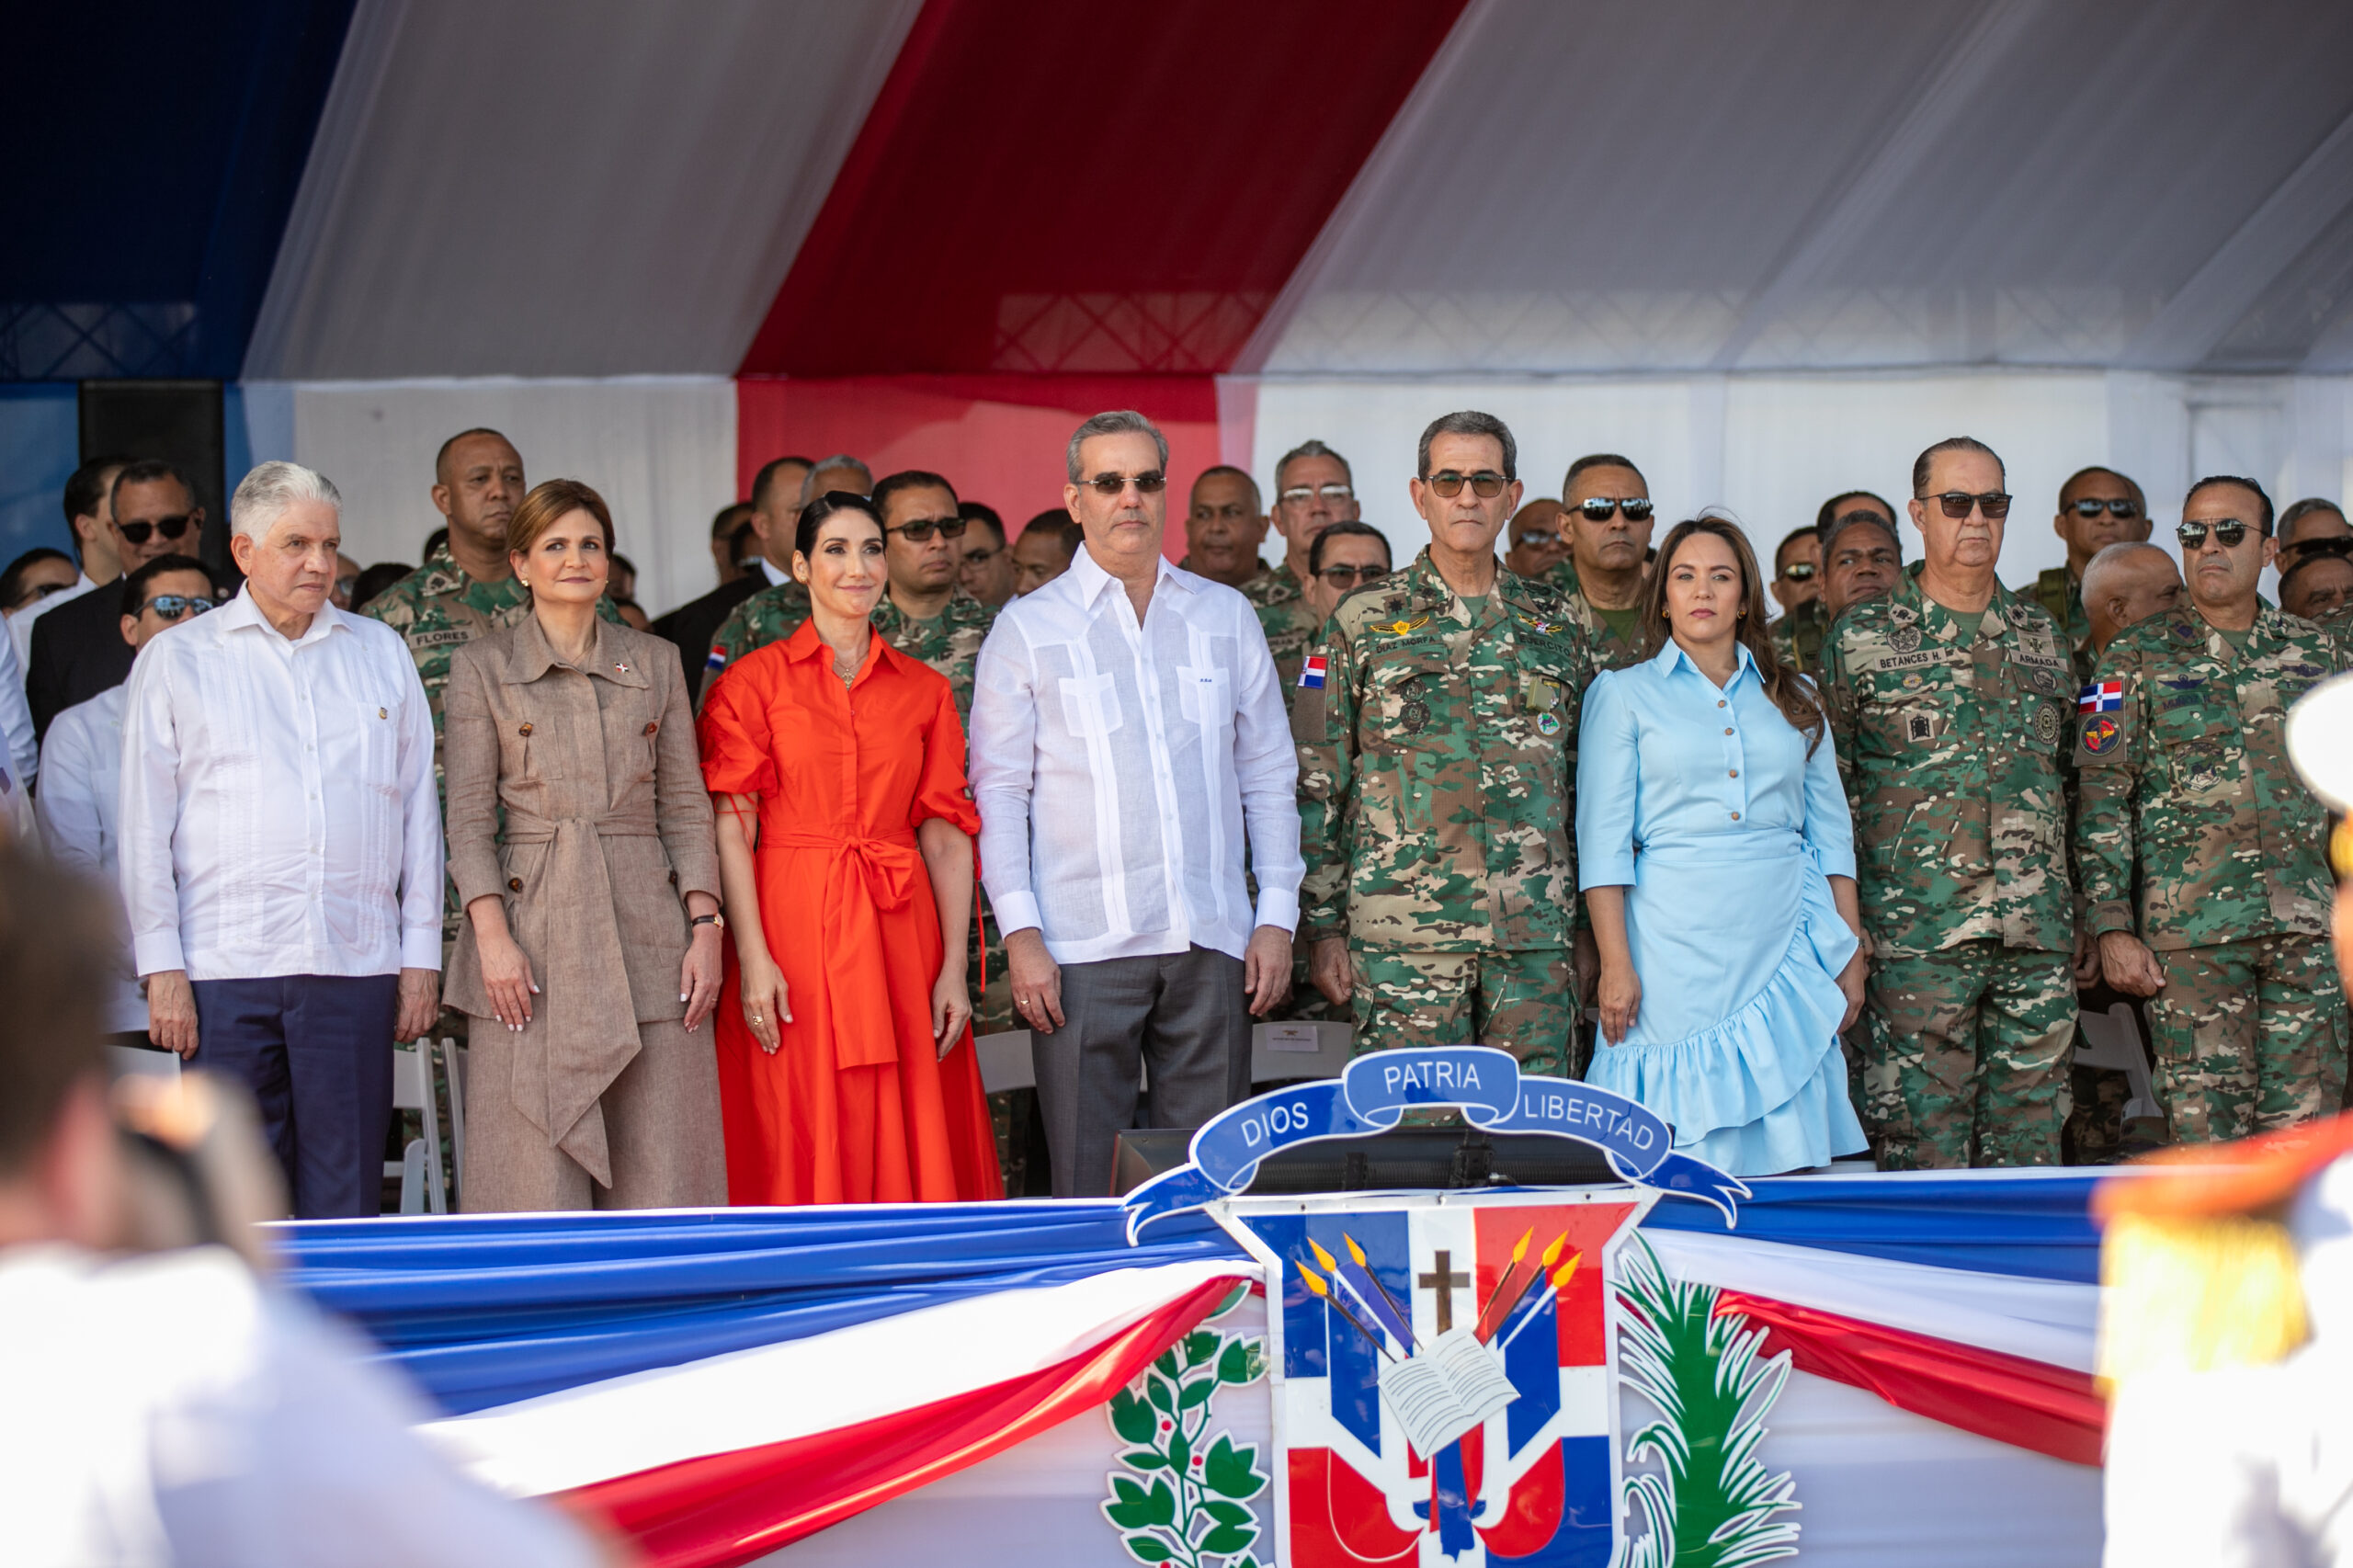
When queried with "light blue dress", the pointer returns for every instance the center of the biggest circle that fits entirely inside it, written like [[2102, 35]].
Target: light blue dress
[[1704, 804]]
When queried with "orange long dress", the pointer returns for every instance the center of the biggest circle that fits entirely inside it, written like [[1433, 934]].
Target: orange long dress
[[856, 1106]]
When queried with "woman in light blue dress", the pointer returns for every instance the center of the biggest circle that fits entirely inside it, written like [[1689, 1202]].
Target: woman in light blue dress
[[1718, 864]]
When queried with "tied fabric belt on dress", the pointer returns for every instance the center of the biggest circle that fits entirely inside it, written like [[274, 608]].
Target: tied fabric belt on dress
[[585, 1034], [866, 877]]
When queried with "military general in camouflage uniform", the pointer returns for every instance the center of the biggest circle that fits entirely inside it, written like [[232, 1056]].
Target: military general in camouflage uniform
[[2098, 507], [1949, 698], [1606, 507], [466, 588], [1313, 489], [2196, 839], [1436, 817]]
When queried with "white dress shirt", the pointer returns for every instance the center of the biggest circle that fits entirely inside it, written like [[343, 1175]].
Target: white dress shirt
[[278, 814], [777, 576], [81, 789], [174, 1412], [17, 723], [1115, 766], [21, 624]]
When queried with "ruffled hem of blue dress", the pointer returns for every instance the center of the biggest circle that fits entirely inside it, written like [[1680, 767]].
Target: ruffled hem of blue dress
[[1764, 1090]]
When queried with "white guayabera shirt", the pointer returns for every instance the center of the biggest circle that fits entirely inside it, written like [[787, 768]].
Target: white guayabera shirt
[[1118, 767], [279, 811]]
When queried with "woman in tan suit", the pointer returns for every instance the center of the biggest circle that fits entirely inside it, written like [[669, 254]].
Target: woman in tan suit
[[590, 959]]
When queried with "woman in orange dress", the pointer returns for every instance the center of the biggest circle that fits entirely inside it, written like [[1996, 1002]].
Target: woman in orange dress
[[837, 763]]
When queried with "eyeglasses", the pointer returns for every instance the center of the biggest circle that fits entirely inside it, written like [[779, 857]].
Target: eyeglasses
[[1798, 571], [170, 528], [45, 589], [1598, 508], [921, 531], [2089, 507], [1957, 503], [1149, 484], [1350, 576], [1300, 495], [173, 606], [982, 554], [1539, 538], [1486, 484], [2229, 532]]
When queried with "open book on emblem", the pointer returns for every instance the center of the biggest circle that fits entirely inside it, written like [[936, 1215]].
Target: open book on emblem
[[1452, 1385]]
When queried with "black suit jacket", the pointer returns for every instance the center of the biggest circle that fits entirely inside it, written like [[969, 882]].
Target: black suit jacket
[[78, 652], [691, 626]]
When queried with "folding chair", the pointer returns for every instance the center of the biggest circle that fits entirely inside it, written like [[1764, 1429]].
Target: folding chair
[[419, 1168]]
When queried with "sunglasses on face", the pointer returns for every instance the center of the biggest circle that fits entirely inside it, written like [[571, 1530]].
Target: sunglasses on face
[[1486, 484], [1350, 576], [1300, 495], [1598, 508], [1539, 538], [921, 531], [2089, 507], [170, 528], [1957, 503], [1798, 572], [1151, 484], [2229, 532], [173, 606]]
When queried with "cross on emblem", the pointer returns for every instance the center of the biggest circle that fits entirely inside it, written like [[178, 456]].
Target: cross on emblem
[[1444, 1283]]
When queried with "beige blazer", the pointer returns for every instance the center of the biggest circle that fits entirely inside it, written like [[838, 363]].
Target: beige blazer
[[607, 828]]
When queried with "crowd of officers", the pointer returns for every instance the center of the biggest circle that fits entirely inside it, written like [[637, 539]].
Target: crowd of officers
[[2061, 798]]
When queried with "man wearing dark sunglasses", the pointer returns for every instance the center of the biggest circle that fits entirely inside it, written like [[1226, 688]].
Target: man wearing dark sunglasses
[[1313, 489], [81, 773], [2203, 859], [77, 648], [1606, 503], [2311, 519], [2098, 507], [1948, 704], [1797, 588], [1438, 748]]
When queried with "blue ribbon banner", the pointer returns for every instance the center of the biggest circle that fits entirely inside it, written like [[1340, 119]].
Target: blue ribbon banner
[[1481, 1082]]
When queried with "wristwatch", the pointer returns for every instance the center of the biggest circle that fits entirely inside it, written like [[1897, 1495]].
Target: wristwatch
[[718, 920]]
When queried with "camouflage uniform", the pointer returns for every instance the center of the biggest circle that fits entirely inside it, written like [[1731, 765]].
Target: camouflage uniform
[[1797, 637], [1608, 650], [2338, 624], [1439, 762], [2061, 592], [438, 610], [2191, 812], [1949, 730], [1293, 632], [1273, 586]]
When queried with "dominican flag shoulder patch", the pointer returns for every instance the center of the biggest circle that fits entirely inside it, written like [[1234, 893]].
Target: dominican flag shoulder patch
[[717, 660], [2101, 697], [1311, 674]]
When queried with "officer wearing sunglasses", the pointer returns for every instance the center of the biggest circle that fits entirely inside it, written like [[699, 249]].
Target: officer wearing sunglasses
[[1606, 507], [78, 649], [2203, 859], [2098, 507], [1950, 699]]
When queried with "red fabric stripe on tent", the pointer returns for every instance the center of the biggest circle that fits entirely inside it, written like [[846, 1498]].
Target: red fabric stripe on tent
[[1064, 185], [2026, 1403], [729, 1508], [998, 438]]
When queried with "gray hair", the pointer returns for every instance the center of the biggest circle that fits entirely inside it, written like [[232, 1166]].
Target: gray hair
[[1469, 422], [838, 463], [1118, 422], [264, 495], [1856, 518], [1927, 460], [2109, 559], [1310, 450]]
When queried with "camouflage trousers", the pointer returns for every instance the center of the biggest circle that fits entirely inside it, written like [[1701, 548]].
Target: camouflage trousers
[[1521, 1001], [1969, 1055], [2249, 1035]]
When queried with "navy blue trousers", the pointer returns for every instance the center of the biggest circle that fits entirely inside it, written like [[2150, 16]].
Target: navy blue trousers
[[315, 1051]]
